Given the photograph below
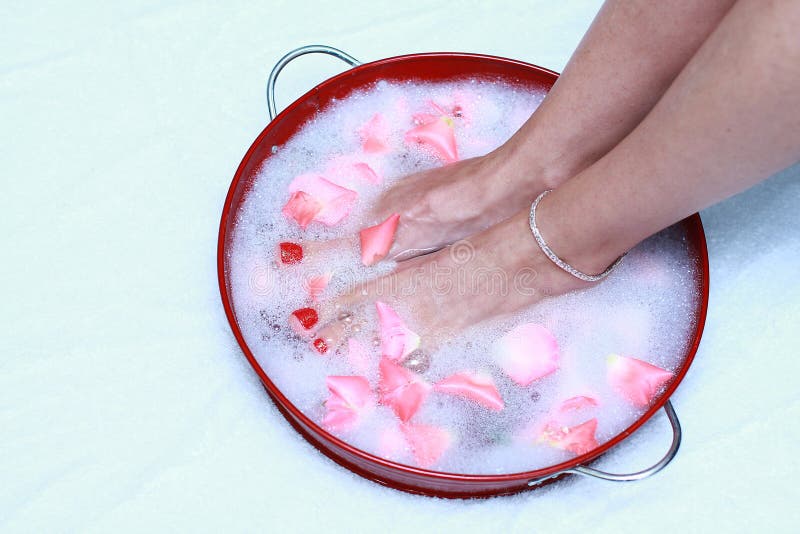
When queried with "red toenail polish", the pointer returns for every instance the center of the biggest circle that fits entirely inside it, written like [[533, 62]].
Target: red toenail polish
[[291, 253], [320, 345], [307, 317]]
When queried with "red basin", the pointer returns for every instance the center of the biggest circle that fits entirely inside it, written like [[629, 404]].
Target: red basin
[[434, 67]]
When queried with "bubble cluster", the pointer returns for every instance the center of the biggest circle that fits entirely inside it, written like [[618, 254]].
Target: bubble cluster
[[645, 309]]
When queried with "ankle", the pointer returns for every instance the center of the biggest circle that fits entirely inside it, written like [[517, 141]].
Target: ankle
[[537, 161], [576, 235]]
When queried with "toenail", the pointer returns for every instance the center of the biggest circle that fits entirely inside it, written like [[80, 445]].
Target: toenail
[[290, 253], [306, 318], [320, 345]]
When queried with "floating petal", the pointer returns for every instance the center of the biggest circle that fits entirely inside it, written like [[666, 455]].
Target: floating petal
[[317, 285], [349, 171], [392, 443], [637, 381], [439, 135], [578, 439], [428, 443], [397, 341], [375, 135], [401, 389], [335, 201], [527, 353], [377, 240], [301, 207], [350, 397], [357, 355], [578, 402], [478, 388], [366, 173], [422, 119]]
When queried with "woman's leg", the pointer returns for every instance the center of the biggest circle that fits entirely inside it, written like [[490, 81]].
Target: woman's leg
[[731, 118], [629, 56], [632, 52]]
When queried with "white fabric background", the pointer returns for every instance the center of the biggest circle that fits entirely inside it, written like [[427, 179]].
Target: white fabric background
[[125, 404]]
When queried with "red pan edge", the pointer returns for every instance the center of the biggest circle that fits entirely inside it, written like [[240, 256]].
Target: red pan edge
[[437, 66]]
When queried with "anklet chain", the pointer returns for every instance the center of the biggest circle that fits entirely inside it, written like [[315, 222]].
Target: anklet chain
[[558, 261]]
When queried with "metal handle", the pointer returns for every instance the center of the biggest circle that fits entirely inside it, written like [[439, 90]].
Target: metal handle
[[285, 60], [644, 473]]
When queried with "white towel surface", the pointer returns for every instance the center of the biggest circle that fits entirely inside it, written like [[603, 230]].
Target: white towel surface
[[125, 403]]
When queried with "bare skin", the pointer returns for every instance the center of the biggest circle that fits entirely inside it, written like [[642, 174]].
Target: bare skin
[[588, 111], [728, 120]]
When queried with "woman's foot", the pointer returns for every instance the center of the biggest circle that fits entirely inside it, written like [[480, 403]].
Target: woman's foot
[[491, 274], [440, 206]]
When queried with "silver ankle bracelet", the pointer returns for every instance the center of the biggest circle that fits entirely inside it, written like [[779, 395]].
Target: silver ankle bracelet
[[558, 261]]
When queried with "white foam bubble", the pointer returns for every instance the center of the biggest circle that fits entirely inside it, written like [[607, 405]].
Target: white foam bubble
[[644, 310]]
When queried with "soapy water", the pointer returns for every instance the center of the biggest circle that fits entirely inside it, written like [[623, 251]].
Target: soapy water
[[645, 310]]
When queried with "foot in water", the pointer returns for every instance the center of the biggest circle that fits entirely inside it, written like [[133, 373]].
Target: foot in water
[[494, 273]]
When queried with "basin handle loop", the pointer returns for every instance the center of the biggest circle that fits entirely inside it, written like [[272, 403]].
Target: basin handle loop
[[285, 60], [644, 473]]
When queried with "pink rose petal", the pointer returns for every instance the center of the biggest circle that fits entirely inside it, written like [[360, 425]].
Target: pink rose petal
[[637, 381], [578, 439], [335, 201], [578, 402], [377, 240], [422, 119], [439, 109], [401, 389], [392, 443], [301, 207], [428, 443], [349, 171], [397, 341], [458, 106], [358, 355], [478, 388], [375, 135], [366, 173], [317, 285], [527, 353], [350, 397], [439, 135]]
